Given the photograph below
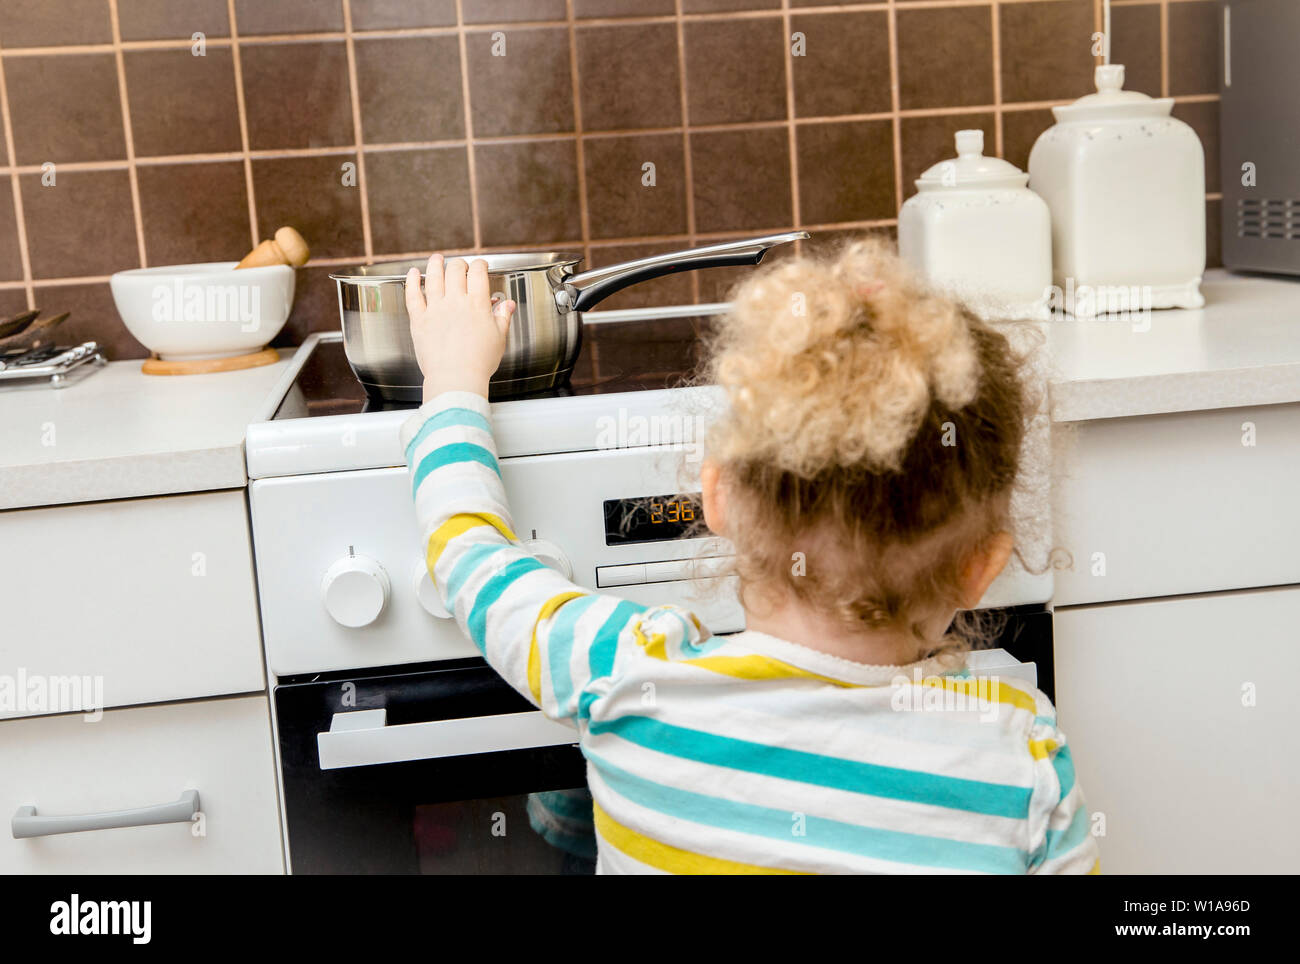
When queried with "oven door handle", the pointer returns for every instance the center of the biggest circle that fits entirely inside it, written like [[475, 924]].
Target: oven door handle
[[360, 738]]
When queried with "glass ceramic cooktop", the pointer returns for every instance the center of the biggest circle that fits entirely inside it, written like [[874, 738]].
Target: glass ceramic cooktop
[[621, 356]]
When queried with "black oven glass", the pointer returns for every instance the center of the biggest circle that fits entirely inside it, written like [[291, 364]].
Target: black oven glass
[[450, 815]]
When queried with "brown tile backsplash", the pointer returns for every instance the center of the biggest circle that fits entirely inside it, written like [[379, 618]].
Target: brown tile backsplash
[[288, 16], [519, 81], [419, 199], [1194, 33], [945, 56], [628, 77], [169, 19], [297, 95], [165, 84], [636, 186], [65, 107], [194, 212], [742, 179], [40, 23], [506, 11], [395, 76], [846, 171], [1135, 43], [319, 195], [357, 122], [11, 256], [735, 70], [844, 64], [528, 193], [86, 224], [1047, 49], [396, 14]]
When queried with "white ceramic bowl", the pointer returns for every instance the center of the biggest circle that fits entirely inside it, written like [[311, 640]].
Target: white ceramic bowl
[[192, 311]]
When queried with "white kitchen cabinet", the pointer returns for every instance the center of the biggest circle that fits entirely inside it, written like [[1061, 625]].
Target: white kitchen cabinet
[[153, 598], [1154, 698], [140, 757], [1171, 504]]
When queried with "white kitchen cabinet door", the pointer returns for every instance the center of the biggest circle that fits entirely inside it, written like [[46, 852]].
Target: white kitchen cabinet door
[[1185, 729], [1166, 505], [141, 757], [147, 600]]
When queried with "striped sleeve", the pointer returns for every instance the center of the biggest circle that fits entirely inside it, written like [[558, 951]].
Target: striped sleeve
[[1061, 840], [552, 640]]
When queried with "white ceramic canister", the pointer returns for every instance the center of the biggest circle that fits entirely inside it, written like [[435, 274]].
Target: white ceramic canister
[[1126, 185], [977, 232]]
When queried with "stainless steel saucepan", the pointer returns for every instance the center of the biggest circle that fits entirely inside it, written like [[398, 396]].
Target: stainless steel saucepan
[[546, 330]]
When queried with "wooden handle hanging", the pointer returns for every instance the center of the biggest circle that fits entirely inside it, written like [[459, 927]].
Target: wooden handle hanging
[[288, 247]]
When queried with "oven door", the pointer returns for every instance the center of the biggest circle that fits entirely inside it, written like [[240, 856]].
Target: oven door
[[435, 769]]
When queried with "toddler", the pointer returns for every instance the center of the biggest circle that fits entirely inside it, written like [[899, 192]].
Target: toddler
[[862, 472]]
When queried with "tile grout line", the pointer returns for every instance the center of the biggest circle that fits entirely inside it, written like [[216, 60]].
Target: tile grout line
[[470, 163], [688, 168], [895, 101], [584, 207], [245, 153], [131, 174], [998, 140], [20, 219], [1164, 48], [796, 213], [354, 94]]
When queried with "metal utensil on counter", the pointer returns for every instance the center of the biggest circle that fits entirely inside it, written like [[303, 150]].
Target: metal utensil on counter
[[55, 367], [546, 330]]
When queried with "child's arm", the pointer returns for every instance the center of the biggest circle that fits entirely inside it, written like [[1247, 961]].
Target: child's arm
[[1061, 833], [549, 638]]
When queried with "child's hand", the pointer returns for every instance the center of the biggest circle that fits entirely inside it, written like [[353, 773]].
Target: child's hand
[[458, 328]]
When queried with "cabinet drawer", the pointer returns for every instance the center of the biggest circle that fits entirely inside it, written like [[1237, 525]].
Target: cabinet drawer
[[1155, 699], [1176, 504], [147, 599], [141, 757]]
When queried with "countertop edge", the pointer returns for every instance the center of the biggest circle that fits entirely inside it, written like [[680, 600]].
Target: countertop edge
[[1174, 392], [120, 477]]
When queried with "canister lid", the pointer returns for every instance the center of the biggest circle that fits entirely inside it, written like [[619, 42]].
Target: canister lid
[[1112, 100], [971, 168]]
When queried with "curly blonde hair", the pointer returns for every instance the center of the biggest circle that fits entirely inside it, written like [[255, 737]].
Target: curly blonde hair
[[874, 424]]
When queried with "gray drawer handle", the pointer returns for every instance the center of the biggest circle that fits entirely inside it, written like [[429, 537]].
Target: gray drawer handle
[[27, 824]]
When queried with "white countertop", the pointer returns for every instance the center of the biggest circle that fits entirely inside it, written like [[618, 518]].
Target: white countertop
[[1241, 349], [119, 434]]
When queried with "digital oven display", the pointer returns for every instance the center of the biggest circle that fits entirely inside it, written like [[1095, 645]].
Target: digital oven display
[[651, 518]]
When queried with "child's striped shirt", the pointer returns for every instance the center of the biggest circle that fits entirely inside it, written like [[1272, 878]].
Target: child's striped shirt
[[742, 753]]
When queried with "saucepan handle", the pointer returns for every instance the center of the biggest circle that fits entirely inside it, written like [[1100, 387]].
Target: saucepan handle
[[581, 291]]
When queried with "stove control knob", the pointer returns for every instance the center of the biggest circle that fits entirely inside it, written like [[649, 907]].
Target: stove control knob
[[549, 554], [355, 591], [428, 596]]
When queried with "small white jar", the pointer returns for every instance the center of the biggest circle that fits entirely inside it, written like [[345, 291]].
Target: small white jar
[[977, 232], [1126, 185]]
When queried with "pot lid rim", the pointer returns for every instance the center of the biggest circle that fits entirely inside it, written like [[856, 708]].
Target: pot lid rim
[[543, 260]]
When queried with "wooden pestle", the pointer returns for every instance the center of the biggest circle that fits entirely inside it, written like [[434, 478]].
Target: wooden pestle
[[288, 247]]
